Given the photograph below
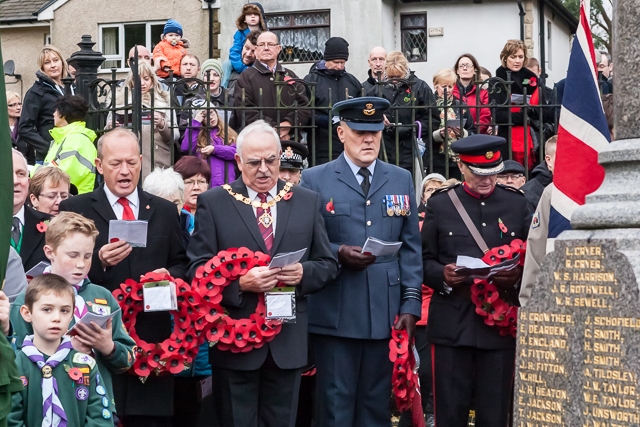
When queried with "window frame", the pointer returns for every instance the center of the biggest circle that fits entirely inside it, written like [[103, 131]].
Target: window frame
[[300, 27], [413, 27], [121, 42]]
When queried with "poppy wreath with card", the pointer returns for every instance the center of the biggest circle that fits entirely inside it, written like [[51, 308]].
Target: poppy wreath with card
[[177, 352], [497, 311], [235, 335], [404, 380]]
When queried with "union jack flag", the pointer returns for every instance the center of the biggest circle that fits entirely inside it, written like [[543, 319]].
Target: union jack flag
[[582, 131]]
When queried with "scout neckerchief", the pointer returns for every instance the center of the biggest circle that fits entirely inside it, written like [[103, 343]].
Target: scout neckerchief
[[53, 414], [81, 306]]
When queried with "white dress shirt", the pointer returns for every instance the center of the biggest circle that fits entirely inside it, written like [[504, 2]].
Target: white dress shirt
[[118, 209]]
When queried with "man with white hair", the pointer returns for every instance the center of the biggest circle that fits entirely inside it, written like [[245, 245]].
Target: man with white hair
[[27, 230], [264, 214]]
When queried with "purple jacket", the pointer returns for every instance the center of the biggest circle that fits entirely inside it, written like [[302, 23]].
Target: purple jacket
[[221, 156]]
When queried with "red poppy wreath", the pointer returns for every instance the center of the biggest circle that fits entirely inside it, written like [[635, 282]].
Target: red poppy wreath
[[235, 335], [176, 352], [200, 316], [498, 312], [404, 380]]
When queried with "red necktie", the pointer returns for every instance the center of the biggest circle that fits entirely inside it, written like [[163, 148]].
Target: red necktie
[[266, 225], [127, 213]]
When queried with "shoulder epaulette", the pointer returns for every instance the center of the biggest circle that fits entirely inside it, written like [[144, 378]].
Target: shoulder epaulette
[[510, 188], [445, 189]]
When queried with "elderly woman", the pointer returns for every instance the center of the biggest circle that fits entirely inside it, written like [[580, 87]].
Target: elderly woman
[[196, 174], [37, 115], [400, 89], [14, 105], [47, 188], [158, 135]]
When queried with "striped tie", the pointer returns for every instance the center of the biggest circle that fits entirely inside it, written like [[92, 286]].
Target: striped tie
[[265, 226]]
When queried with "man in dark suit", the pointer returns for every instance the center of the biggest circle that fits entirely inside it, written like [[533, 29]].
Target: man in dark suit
[[26, 238], [119, 161], [473, 364], [351, 319], [260, 388]]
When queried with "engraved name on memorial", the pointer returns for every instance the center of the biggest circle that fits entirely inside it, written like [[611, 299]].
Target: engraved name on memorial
[[577, 360]]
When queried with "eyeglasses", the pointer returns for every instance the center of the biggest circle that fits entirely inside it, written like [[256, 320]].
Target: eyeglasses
[[191, 183], [465, 66], [54, 196], [270, 45], [14, 104], [510, 176], [271, 161]]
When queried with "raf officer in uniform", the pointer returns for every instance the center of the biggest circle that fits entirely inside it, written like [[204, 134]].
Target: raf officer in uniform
[[292, 161], [350, 320], [472, 362]]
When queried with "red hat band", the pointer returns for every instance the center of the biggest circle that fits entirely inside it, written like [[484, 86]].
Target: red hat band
[[490, 157]]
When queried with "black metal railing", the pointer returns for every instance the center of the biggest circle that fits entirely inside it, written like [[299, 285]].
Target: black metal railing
[[541, 119]]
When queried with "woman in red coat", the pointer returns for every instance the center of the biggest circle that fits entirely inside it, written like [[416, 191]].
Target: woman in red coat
[[468, 72]]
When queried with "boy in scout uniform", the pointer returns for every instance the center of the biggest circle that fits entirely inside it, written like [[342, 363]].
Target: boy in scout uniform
[[61, 385], [69, 246]]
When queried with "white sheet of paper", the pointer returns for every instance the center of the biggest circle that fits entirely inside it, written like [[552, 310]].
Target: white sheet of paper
[[287, 258], [99, 319], [278, 305], [377, 247], [470, 262], [37, 269], [133, 232], [160, 298]]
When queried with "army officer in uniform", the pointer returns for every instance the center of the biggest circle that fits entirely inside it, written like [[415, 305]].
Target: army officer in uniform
[[292, 161], [472, 362], [350, 320]]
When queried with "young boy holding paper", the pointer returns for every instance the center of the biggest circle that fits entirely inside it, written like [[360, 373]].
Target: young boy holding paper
[[70, 239], [62, 386]]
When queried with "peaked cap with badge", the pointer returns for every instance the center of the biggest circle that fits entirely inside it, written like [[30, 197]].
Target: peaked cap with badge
[[481, 153], [293, 155], [364, 114]]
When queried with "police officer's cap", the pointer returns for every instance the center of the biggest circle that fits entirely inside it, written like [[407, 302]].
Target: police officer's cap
[[364, 114], [481, 153], [293, 154], [511, 166]]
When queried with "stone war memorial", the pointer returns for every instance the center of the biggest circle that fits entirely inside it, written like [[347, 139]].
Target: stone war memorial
[[578, 343]]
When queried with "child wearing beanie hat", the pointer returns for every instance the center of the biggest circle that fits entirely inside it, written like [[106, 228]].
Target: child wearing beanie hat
[[170, 50], [251, 18]]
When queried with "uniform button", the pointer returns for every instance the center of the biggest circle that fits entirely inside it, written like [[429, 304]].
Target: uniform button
[[368, 223], [513, 234], [450, 233], [482, 203], [484, 225], [368, 202]]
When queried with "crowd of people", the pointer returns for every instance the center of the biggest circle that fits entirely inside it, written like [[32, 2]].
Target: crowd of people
[[219, 164]]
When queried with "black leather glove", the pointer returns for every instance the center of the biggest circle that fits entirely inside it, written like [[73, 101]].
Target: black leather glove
[[353, 257]]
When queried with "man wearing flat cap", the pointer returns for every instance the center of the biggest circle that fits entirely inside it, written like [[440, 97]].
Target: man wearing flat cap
[[333, 84], [512, 174], [351, 319], [473, 362], [292, 161]]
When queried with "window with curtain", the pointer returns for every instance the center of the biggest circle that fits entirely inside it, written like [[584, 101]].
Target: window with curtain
[[117, 39], [302, 34], [413, 32]]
